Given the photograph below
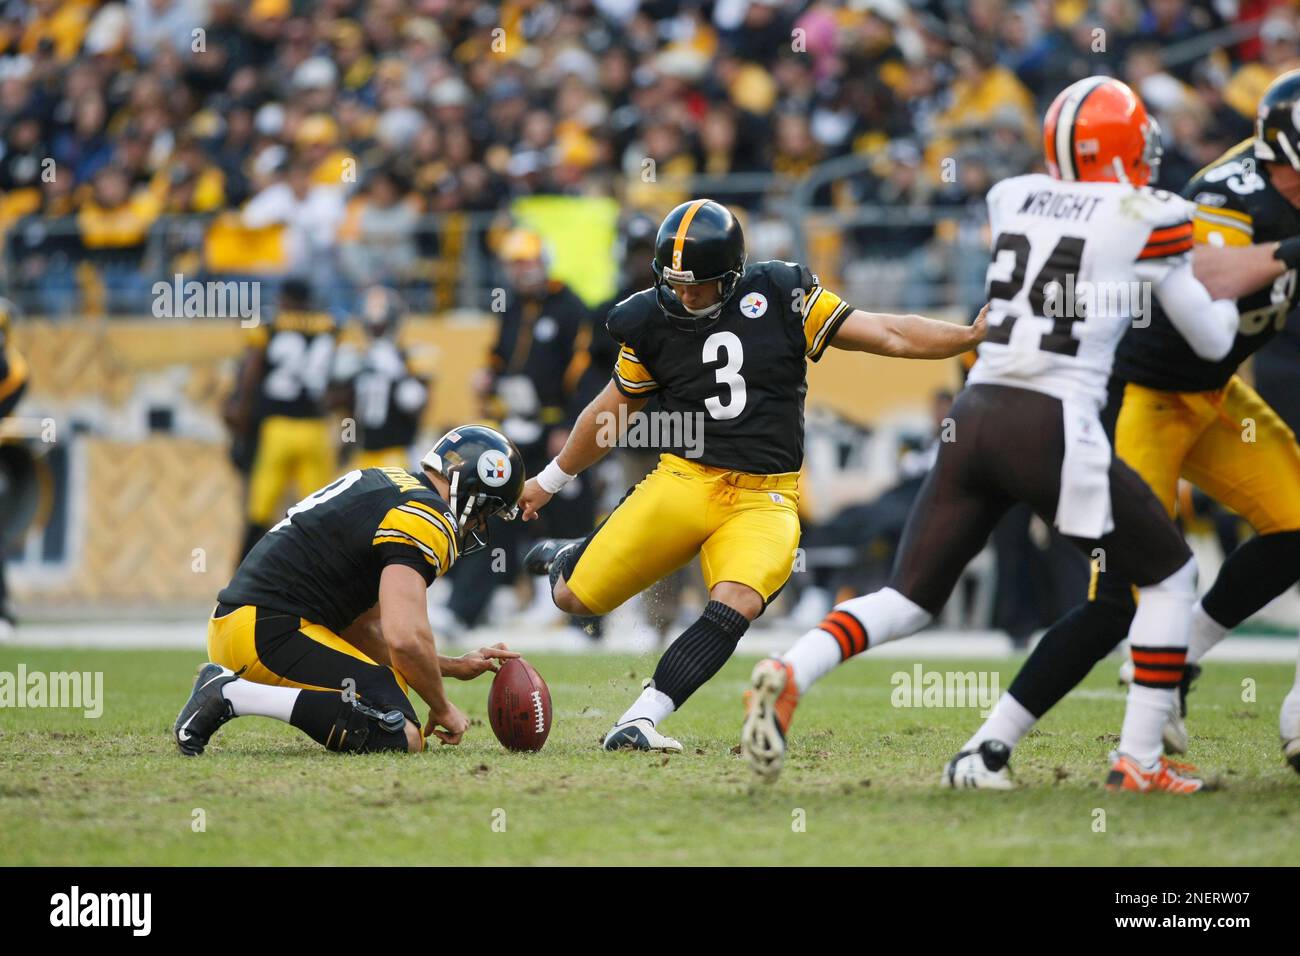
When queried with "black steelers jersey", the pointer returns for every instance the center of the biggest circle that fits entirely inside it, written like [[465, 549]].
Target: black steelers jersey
[[1236, 205], [323, 561], [744, 377], [389, 398], [299, 349]]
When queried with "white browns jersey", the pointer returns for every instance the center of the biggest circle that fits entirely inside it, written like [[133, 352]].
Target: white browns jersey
[[1073, 264]]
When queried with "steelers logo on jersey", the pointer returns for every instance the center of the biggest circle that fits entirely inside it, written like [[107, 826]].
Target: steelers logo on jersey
[[753, 305], [494, 468]]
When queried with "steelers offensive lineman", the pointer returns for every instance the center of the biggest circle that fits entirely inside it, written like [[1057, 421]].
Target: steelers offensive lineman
[[1183, 415], [324, 625], [1027, 428], [726, 346]]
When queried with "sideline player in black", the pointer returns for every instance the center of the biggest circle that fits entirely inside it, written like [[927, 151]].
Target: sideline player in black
[[385, 396], [1182, 415], [725, 348], [324, 624]]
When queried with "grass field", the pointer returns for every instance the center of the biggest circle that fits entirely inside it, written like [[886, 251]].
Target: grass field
[[861, 779]]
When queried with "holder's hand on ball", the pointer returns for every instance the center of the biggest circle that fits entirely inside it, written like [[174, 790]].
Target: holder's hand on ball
[[449, 725]]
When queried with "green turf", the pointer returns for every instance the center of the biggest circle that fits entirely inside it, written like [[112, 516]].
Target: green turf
[[862, 778]]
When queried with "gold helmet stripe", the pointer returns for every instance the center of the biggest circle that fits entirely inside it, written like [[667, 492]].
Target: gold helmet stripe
[[679, 239]]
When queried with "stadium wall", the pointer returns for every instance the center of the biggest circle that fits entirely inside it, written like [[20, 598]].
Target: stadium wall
[[141, 504]]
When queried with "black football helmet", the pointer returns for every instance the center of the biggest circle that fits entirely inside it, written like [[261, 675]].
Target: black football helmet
[[1277, 122], [699, 241], [485, 475]]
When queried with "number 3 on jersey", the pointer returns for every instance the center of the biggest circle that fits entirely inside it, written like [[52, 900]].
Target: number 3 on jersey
[[732, 355]]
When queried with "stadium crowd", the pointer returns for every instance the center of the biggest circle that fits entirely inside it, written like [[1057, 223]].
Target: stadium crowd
[[357, 140]]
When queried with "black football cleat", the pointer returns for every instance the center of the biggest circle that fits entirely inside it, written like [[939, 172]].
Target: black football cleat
[[542, 555], [205, 711]]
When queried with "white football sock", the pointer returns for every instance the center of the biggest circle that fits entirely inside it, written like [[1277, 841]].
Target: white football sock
[[1162, 621], [1205, 633], [1144, 720], [652, 705], [885, 615], [1008, 723], [813, 656], [250, 699]]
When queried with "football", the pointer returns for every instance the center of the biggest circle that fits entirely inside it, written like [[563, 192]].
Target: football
[[519, 706]]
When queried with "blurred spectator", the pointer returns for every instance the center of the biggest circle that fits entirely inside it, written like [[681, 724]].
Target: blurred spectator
[[378, 237], [310, 216], [114, 224], [216, 105]]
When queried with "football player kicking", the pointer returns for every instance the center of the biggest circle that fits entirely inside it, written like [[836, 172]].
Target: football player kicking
[[1027, 427], [324, 623], [1184, 415], [725, 347]]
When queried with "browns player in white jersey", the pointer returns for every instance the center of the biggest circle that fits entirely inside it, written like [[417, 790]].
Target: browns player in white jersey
[[1075, 255]]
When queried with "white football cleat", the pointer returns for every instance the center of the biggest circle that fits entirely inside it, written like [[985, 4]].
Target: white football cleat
[[982, 769], [639, 734]]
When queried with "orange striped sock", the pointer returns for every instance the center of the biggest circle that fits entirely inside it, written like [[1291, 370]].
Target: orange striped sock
[[847, 631], [1160, 667]]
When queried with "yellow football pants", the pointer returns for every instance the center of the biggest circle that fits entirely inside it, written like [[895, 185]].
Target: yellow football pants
[[744, 527], [271, 647], [1228, 443], [290, 451]]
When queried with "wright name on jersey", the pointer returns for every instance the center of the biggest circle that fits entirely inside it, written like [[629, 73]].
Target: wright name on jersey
[[745, 376], [1235, 204], [1072, 267], [324, 560]]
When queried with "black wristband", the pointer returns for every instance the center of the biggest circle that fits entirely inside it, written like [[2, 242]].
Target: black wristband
[[1288, 251]]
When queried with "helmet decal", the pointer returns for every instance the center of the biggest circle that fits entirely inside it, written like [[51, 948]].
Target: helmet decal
[[493, 468]]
